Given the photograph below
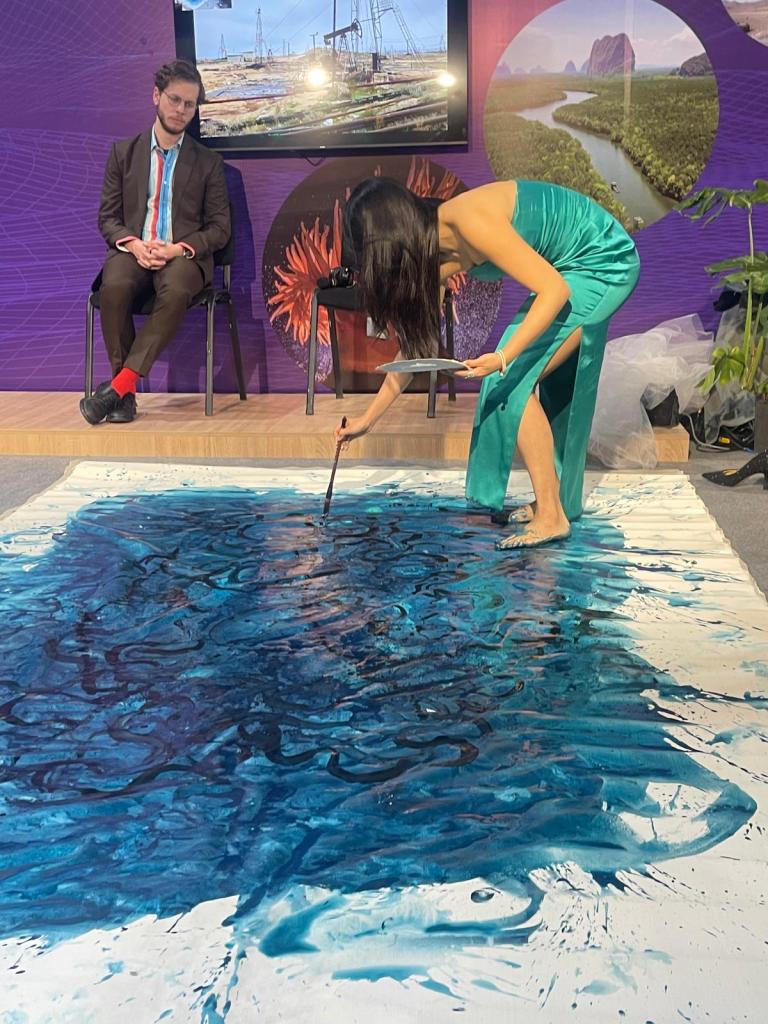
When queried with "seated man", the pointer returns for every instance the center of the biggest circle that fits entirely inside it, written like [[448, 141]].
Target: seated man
[[164, 212]]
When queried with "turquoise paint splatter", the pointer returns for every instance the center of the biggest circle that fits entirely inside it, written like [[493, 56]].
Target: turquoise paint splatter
[[113, 968], [289, 936], [223, 698], [399, 973], [211, 1014], [485, 984], [600, 988]]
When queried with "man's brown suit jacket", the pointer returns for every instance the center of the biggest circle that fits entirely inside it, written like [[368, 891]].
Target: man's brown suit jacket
[[200, 207]]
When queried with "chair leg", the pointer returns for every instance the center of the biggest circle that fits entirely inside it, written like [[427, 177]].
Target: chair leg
[[432, 394], [234, 334], [449, 343], [89, 349], [335, 352], [211, 309], [312, 360]]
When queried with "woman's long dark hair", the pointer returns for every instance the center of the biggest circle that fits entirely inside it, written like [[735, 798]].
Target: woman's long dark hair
[[391, 238]]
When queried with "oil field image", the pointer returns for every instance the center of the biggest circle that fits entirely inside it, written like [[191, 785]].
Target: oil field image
[[366, 70]]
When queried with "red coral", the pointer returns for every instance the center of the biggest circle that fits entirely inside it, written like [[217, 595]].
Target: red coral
[[309, 256], [314, 251], [421, 180]]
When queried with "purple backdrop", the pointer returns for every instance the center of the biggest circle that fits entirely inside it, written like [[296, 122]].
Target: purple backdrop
[[75, 76]]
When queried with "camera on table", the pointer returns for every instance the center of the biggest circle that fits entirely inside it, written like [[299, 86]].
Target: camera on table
[[341, 277]]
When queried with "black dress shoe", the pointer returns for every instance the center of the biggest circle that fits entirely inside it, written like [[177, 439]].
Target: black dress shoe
[[731, 477], [125, 411], [104, 400]]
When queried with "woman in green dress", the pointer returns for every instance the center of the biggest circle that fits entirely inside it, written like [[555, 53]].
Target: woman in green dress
[[539, 386]]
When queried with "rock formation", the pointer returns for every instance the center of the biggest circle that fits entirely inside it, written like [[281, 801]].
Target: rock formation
[[611, 55], [694, 66]]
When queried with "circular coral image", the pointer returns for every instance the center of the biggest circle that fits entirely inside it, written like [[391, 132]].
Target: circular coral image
[[615, 100], [304, 243]]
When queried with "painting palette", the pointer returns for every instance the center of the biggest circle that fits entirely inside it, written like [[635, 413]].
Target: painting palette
[[423, 366], [258, 769]]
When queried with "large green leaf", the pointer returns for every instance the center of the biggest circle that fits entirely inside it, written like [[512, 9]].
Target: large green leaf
[[711, 202], [752, 367], [728, 364], [733, 263], [748, 273]]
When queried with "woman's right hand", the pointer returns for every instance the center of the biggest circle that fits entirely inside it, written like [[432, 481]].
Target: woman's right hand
[[356, 427]]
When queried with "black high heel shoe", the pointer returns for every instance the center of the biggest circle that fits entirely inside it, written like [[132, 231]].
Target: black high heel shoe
[[731, 477]]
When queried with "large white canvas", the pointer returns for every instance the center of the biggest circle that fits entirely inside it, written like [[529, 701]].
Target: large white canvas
[[685, 941]]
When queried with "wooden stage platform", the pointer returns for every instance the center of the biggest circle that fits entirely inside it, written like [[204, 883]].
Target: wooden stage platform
[[173, 426]]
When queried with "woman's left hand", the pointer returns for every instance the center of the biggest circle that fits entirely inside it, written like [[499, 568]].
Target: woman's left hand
[[483, 366]]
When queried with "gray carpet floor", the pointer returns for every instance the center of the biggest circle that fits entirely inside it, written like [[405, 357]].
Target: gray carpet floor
[[741, 512]]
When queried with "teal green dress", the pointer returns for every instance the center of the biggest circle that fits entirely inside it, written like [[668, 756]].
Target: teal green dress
[[599, 261]]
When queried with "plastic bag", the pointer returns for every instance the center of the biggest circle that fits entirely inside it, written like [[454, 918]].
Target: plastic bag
[[639, 371]]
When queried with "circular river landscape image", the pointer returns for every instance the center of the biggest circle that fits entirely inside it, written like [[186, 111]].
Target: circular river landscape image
[[616, 100]]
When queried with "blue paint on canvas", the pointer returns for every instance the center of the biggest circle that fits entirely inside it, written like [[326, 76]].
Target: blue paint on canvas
[[206, 694]]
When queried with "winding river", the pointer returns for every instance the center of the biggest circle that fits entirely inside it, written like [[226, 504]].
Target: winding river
[[609, 160]]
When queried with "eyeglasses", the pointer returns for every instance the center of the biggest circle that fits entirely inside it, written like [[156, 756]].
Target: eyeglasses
[[177, 101]]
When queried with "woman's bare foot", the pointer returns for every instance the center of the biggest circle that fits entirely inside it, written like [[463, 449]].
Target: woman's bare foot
[[523, 514], [542, 530]]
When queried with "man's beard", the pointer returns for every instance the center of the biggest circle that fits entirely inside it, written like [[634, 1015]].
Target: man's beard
[[167, 127]]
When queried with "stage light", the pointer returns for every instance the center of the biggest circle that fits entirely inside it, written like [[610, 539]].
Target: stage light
[[446, 80], [317, 76]]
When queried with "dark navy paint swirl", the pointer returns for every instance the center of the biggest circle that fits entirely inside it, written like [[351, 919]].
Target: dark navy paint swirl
[[205, 694]]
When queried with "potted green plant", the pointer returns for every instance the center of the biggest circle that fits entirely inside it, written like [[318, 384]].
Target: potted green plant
[[746, 363]]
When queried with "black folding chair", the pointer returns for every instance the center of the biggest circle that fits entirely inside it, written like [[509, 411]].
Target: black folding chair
[[348, 299], [209, 297]]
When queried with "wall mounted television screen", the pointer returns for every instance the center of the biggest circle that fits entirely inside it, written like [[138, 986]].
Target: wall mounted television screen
[[320, 74]]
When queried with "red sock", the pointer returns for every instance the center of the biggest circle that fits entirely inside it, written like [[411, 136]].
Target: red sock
[[125, 382]]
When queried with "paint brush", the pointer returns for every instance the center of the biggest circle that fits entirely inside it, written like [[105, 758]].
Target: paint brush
[[329, 492]]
